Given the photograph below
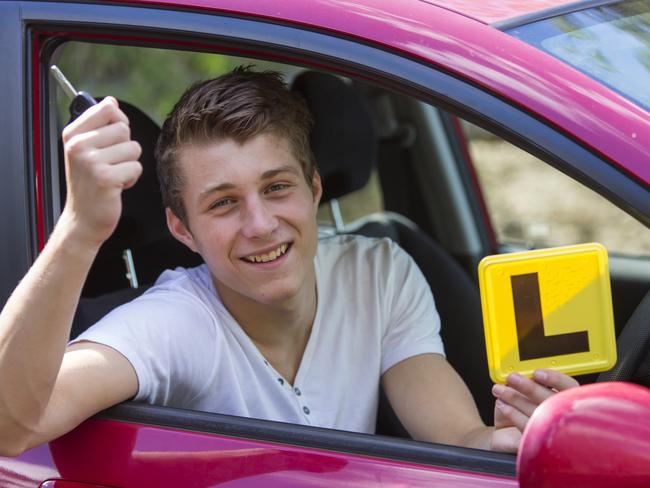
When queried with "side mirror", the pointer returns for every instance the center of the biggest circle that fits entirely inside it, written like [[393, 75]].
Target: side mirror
[[595, 436]]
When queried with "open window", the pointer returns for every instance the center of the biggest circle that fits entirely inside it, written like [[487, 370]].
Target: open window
[[394, 173]]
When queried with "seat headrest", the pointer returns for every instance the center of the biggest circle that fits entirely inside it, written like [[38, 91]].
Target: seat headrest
[[344, 138]]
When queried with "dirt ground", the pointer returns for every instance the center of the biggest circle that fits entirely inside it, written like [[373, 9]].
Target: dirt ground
[[533, 203]]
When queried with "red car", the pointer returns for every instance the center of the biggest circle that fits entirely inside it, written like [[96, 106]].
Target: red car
[[565, 82]]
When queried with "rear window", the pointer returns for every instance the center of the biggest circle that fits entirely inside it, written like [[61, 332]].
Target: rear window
[[610, 43]]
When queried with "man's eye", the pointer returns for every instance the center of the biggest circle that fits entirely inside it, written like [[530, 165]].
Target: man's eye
[[224, 202], [275, 187]]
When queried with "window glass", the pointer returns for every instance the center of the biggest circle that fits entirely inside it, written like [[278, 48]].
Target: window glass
[[610, 43], [534, 205]]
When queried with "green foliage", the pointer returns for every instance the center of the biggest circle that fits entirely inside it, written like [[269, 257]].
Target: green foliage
[[151, 79]]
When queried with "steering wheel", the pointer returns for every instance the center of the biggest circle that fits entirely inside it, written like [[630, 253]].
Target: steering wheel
[[633, 348]]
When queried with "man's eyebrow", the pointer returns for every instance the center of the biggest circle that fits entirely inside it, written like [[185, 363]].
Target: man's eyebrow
[[282, 169], [213, 189]]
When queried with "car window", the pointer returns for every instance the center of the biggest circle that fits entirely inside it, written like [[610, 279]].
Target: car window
[[608, 42], [413, 170], [533, 205]]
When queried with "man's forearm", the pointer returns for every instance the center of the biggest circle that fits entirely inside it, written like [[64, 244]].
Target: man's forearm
[[34, 330]]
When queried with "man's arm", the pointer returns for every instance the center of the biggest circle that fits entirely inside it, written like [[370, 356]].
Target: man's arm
[[434, 404], [41, 394]]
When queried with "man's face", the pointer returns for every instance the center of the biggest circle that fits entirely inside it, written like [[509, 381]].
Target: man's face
[[251, 215]]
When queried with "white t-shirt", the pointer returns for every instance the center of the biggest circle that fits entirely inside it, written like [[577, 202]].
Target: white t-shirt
[[374, 310]]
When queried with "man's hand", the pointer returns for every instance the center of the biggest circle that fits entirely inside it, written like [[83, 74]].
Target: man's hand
[[517, 401], [100, 161]]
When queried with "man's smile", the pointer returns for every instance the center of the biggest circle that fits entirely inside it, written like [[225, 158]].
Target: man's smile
[[266, 257]]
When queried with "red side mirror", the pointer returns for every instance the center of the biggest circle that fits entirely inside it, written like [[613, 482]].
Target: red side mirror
[[595, 436]]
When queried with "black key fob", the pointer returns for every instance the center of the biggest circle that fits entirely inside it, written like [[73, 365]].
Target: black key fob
[[80, 103]]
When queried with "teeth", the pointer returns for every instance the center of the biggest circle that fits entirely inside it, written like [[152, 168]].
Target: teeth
[[265, 258]]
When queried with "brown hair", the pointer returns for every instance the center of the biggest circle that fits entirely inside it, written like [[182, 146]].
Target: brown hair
[[238, 105]]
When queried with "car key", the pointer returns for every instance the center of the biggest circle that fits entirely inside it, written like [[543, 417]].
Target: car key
[[81, 101]]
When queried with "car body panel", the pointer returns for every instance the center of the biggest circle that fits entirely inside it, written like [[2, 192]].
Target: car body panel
[[481, 54], [128, 454]]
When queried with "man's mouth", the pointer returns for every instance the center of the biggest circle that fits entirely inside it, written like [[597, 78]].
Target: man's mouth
[[268, 257]]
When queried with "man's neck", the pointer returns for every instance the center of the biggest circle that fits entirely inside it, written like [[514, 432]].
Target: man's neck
[[280, 331], [282, 327]]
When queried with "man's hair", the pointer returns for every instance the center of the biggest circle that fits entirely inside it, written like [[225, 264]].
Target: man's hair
[[239, 106]]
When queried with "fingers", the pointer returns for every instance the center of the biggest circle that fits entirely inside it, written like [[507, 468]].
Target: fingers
[[126, 174], [517, 400], [529, 388], [507, 415], [554, 379], [88, 142], [510, 396], [118, 153], [104, 113], [102, 137]]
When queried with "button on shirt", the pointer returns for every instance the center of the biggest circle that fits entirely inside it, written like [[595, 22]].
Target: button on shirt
[[374, 310], [291, 390]]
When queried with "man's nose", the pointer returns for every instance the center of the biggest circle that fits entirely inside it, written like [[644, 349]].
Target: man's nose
[[259, 220]]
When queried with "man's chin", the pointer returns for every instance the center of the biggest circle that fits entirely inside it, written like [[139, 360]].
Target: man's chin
[[278, 296]]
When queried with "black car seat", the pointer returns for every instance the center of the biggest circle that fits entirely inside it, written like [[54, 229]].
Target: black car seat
[[141, 237], [345, 144]]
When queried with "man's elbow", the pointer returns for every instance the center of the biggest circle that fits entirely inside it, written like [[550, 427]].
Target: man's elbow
[[16, 438], [12, 446]]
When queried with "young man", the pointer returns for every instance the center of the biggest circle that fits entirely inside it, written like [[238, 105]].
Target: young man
[[274, 325]]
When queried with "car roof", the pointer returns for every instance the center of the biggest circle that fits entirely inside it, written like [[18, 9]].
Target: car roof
[[484, 11], [501, 11]]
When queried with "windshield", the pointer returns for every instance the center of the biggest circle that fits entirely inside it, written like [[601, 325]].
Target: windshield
[[610, 43]]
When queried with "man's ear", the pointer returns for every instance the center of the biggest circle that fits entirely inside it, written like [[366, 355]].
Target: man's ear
[[316, 187], [179, 230]]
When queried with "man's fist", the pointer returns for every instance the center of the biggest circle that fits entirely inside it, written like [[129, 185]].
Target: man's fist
[[101, 160]]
